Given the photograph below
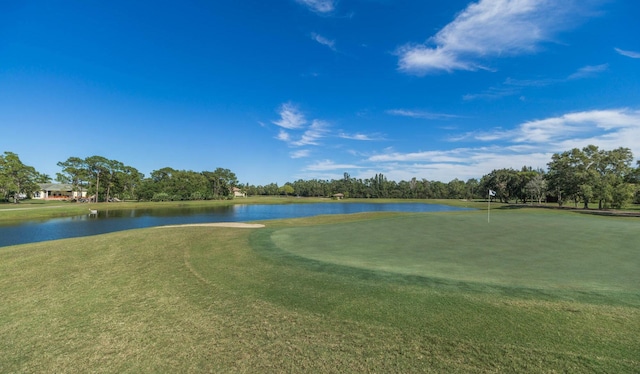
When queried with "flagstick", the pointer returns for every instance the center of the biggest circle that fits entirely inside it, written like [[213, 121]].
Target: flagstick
[[489, 210]]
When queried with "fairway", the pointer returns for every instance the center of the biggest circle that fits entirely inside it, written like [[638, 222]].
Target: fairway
[[371, 292], [533, 249]]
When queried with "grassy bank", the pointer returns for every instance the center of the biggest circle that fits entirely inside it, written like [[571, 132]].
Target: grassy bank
[[221, 299]]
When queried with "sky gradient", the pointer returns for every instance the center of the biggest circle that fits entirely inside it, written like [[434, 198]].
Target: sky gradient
[[283, 90]]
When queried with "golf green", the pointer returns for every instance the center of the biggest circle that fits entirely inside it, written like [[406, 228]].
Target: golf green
[[524, 248]]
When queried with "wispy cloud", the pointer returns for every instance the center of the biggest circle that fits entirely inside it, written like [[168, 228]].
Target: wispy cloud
[[446, 165], [420, 114], [511, 86], [326, 165], [529, 143], [490, 28], [631, 54], [283, 136], [319, 6], [613, 126], [290, 117], [331, 44], [432, 156], [531, 82], [596, 124], [299, 132], [493, 93], [302, 153], [361, 137], [589, 71], [316, 131]]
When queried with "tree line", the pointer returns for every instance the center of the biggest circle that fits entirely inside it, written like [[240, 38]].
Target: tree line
[[588, 176], [105, 179]]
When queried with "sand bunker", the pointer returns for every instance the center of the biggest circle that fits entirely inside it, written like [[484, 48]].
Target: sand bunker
[[239, 225]]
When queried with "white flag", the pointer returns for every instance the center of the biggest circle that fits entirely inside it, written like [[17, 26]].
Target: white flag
[[492, 193]]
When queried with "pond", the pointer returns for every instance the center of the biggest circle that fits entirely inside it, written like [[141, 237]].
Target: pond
[[117, 220]]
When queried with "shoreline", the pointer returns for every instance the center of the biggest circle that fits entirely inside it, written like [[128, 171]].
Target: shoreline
[[238, 225]]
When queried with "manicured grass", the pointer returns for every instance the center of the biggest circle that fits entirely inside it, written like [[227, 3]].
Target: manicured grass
[[537, 249], [221, 299]]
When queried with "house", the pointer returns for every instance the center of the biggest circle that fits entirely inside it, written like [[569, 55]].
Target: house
[[338, 196], [58, 191], [238, 192]]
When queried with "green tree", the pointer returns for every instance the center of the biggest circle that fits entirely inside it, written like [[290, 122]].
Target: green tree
[[287, 189], [615, 172], [129, 180], [171, 184], [271, 189], [504, 182], [75, 172], [537, 188], [471, 188], [563, 178], [112, 171], [16, 178], [221, 182], [456, 189], [589, 174], [523, 177], [96, 166], [42, 178]]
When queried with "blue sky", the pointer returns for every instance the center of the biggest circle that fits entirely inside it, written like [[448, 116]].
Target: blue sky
[[282, 90]]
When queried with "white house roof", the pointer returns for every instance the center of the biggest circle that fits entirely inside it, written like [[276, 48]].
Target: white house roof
[[55, 187]]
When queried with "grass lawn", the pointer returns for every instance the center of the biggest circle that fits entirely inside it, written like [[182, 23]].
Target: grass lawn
[[537, 249], [533, 291]]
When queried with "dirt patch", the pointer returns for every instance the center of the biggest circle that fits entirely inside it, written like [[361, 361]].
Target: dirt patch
[[238, 225]]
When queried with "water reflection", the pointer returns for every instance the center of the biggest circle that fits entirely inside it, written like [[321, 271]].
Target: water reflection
[[117, 220]]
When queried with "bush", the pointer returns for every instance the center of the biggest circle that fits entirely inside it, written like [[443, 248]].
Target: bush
[[161, 196]]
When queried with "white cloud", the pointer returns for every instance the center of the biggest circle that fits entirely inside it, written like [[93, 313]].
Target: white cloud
[[446, 165], [313, 134], [577, 126], [531, 143], [293, 120], [298, 132], [492, 136], [489, 28], [420, 114], [461, 163], [589, 71], [319, 6], [594, 125], [361, 137], [324, 41], [493, 93], [326, 165], [290, 117], [420, 59], [284, 136], [631, 54], [300, 153], [432, 156]]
